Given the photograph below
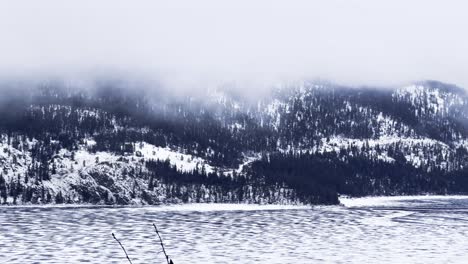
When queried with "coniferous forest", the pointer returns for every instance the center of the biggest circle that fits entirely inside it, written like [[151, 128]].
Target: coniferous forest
[[301, 143]]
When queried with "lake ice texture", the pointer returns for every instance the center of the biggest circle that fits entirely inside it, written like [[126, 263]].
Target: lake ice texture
[[424, 229]]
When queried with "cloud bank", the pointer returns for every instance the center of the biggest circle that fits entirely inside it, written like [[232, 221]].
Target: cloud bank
[[189, 43]]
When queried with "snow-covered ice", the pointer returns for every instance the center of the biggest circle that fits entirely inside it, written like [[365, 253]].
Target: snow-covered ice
[[395, 200]]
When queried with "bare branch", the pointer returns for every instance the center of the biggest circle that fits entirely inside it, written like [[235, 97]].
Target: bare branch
[[162, 245], [128, 258]]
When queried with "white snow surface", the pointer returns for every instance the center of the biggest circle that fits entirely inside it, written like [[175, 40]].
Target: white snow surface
[[382, 201], [183, 162]]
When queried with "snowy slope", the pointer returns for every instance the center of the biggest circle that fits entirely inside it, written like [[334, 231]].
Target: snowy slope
[[422, 125]]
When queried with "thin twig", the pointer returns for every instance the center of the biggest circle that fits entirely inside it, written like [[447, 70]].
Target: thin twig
[[162, 245], [122, 248]]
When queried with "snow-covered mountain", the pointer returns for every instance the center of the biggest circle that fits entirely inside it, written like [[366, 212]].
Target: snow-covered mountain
[[304, 142]]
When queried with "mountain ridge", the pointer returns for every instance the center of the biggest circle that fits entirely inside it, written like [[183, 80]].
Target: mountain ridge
[[302, 143]]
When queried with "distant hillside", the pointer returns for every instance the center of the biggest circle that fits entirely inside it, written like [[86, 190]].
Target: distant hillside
[[302, 143]]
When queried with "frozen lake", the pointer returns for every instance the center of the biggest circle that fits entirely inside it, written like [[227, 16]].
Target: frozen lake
[[373, 230]]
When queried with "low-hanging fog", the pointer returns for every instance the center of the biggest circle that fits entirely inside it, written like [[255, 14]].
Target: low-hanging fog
[[190, 44]]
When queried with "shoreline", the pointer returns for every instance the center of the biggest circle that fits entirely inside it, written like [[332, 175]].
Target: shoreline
[[345, 201], [170, 207]]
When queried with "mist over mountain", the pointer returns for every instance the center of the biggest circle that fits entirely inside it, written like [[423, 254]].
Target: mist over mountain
[[122, 142], [353, 42]]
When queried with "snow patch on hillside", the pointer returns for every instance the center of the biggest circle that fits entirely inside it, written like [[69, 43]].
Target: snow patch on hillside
[[387, 126], [273, 110], [434, 100], [183, 162], [461, 143], [12, 161], [379, 148], [143, 151]]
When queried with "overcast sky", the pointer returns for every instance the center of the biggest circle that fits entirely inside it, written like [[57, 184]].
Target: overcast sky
[[209, 41]]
